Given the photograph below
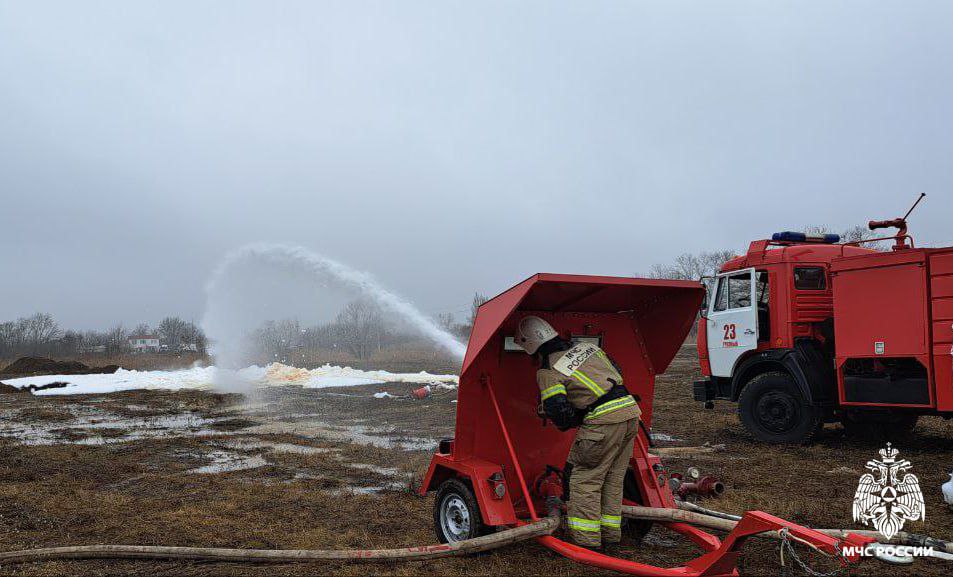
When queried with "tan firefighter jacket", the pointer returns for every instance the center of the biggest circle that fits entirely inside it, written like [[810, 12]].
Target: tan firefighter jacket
[[584, 373]]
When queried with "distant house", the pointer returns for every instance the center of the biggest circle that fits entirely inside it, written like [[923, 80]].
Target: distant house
[[144, 343]]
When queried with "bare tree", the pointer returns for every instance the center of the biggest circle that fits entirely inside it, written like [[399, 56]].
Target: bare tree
[[660, 271], [687, 266], [361, 326], [172, 331], [69, 344], [268, 340], [692, 266], [11, 338], [323, 336], [195, 337], [861, 233], [41, 329], [92, 340], [713, 261], [855, 233], [446, 321], [278, 339], [142, 329], [478, 299], [116, 340]]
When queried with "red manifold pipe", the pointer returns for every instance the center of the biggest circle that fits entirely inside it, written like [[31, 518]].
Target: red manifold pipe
[[705, 487]]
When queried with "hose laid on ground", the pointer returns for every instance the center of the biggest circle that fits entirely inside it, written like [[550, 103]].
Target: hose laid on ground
[[721, 523], [710, 512], [544, 526]]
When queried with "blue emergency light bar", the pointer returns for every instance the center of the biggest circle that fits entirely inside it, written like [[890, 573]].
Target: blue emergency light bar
[[791, 236]]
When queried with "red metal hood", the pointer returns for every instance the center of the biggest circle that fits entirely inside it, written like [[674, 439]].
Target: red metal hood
[[664, 310]]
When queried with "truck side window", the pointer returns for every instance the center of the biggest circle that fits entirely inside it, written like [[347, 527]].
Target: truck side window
[[721, 296], [739, 291], [762, 292], [810, 278], [762, 289]]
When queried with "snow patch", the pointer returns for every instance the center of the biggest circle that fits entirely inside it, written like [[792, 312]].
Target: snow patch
[[275, 374]]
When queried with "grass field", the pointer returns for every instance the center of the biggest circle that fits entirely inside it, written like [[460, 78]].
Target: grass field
[[333, 468]]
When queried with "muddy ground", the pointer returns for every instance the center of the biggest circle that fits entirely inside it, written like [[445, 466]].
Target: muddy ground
[[334, 468]]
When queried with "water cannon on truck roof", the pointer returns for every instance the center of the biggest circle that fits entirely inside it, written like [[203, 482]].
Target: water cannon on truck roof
[[805, 329]]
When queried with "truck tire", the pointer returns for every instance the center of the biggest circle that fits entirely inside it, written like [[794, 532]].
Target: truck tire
[[456, 513], [773, 410], [876, 426]]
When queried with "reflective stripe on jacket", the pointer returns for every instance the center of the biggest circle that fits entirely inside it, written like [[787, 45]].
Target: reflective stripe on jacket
[[591, 375]]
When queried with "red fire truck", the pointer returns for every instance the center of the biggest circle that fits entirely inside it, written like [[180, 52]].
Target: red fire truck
[[805, 330]]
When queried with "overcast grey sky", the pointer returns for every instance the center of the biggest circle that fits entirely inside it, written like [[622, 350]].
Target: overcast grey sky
[[449, 147]]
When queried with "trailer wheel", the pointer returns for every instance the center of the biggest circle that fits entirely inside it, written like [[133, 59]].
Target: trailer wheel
[[637, 529], [773, 409], [456, 514]]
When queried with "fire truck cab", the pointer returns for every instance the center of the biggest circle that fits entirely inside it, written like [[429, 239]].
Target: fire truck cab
[[803, 330]]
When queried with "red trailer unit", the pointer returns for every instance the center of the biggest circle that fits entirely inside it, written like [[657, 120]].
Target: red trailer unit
[[894, 313], [491, 474]]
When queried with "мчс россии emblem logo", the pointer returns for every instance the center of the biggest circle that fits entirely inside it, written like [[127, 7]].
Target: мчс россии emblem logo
[[886, 500]]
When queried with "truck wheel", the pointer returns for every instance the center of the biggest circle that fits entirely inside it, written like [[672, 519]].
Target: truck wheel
[[637, 529], [773, 409], [878, 426], [456, 514]]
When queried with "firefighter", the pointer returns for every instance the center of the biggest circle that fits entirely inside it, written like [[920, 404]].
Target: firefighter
[[580, 386]]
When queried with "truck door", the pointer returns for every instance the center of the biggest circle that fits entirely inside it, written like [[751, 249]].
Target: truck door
[[732, 322]]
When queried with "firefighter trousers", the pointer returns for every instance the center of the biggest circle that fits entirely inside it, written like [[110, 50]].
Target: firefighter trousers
[[600, 457]]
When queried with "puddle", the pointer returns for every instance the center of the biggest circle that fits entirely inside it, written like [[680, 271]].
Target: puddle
[[394, 486], [92, 426], [252, 444], [225, 458], [355, 434], [372, 490], [383, 471], [664, 438], [140, 408], [301, 449], [227, 462]]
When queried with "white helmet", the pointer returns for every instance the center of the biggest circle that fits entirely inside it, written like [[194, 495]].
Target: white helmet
[[532, 332]]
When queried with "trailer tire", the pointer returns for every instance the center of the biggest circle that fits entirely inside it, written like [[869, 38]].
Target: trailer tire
[[456, 513], [773, 409]]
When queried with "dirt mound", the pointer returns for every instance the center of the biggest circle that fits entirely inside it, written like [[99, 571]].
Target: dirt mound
[[5, 388], [30, 365], [25, 366]]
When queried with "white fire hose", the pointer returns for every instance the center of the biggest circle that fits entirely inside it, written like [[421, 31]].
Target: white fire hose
[[539, 528]]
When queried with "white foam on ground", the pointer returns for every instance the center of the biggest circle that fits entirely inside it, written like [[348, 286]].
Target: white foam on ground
[[275, 374]]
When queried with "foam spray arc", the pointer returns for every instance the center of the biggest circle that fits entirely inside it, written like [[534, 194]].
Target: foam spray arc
[[300, 257]]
